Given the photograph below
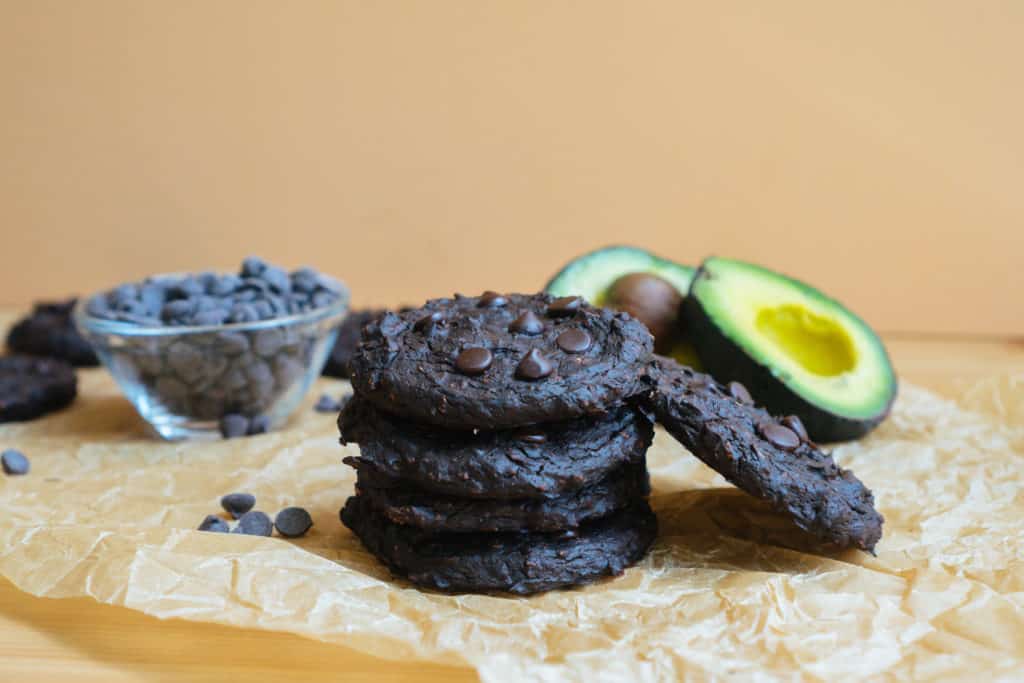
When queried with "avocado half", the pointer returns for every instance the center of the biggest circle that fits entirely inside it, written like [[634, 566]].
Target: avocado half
[[594, 275], [796, 350]]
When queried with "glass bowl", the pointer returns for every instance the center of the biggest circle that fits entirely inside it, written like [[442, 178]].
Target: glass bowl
[[182, 380]]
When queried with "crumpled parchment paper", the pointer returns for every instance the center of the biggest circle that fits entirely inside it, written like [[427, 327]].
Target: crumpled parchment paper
[[731, 590]]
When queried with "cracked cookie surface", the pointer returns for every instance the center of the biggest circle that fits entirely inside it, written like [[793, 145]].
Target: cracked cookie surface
[[535, 462], [519, 563], [768, 457], [498, 361], [405, 505]]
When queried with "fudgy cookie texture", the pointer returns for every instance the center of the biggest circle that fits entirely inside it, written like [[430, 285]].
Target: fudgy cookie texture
[[535, 462], [768, 457], [348, 339], [520, 563], [31, 387], [49, 331], [497, 361], [406, 505]]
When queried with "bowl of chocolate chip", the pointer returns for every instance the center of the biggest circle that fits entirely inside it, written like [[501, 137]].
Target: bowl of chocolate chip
[[206, 355]]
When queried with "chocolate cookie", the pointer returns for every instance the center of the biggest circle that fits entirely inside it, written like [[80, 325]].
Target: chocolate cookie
[[348, 339], [535, 462], [520, 563], [498, 361], [31, 387], [767, 457], [406, 505], [49, 331]]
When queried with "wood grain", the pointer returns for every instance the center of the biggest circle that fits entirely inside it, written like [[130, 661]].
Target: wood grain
[[56, 640]]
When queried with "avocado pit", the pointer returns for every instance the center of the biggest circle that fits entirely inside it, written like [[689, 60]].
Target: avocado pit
[[650, 299]]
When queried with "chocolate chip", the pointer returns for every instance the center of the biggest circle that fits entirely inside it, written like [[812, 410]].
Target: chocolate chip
[[234, 425], [574, 340], [473, 361], [292, 522], [491, 299], [564, 306], [14, 462], [528, 323], [327, 404], [533, 437], [254, 523], [425, 325], [258, 425], [237, 504], [796, 425], [214, 523], [252, 266], [534, 365], [783, 437], [740, 393]]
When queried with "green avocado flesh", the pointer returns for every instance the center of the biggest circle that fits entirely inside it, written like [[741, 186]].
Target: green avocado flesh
[[796, 350], [593, 275]]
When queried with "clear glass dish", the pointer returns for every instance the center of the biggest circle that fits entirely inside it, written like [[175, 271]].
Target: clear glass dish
[[182, 380]]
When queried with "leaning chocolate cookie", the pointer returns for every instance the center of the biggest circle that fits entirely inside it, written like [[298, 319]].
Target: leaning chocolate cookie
[[49, 331], [516, 562], [409, 506], [497, 361], [768, 457], [31, 387], [541, 461]]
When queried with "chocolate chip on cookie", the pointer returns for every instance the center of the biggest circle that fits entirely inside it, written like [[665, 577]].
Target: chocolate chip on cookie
[[763, 455], [464, 375]]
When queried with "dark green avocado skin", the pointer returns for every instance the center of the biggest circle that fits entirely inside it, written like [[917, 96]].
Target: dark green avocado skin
[[727, 362]]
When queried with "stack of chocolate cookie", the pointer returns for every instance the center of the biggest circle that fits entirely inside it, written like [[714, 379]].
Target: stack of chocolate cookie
[[500, 447], [502, 444]]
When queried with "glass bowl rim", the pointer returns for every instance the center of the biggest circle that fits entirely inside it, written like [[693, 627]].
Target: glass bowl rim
[[91, 324]]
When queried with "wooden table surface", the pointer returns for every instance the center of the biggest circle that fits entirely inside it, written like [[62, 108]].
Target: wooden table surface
[[57, 640]]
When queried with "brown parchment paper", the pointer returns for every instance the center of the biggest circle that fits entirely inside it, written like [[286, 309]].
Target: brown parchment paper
[[731, 590]]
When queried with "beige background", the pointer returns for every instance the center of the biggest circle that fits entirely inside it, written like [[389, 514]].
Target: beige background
[[418, 148]]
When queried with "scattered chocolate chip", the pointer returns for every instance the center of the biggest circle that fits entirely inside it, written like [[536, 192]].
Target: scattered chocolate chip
[[740, 393], [534, 365], [14, 462], [292, 522], [491, 299], [214, 523], [528, 323], [425, 325], [254, 523], [327, 404], [234, 425], [574, 340], [796, 425], [473, 361], [783, 437], [237, 504], [564, 306], [258, 425], [533, 437]]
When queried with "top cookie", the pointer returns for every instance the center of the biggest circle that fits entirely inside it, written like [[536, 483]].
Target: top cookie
[[498, 361], [767, 457]]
